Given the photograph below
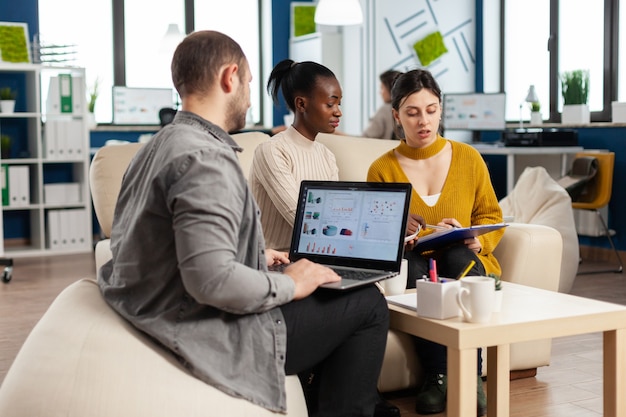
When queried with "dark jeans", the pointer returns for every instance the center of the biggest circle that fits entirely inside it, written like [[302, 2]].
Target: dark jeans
[[342, 335], [451, 261]]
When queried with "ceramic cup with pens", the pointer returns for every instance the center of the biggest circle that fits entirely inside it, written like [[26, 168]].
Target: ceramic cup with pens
[[476, 298]]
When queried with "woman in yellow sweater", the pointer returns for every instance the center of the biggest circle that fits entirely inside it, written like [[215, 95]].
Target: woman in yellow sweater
[[451, 188]]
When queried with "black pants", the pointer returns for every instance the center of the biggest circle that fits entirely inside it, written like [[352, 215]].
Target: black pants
[[343, 336], [451, 261]]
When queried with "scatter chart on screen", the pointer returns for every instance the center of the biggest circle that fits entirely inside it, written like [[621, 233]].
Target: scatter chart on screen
[[351, 223]]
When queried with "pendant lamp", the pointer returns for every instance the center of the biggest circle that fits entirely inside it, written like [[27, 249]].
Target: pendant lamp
[[338, 13]]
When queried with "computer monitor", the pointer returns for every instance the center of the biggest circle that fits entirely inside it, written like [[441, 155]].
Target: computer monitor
[[140, 106], [474, 111]]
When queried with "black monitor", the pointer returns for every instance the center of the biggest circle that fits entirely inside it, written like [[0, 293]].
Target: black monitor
[[474, 111]]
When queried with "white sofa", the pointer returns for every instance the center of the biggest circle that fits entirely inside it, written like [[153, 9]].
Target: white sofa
[[82, 359]]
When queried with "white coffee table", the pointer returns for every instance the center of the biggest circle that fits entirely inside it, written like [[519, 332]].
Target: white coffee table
[[527, 314]]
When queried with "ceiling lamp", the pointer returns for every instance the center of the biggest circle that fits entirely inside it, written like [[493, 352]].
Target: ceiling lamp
[[338, 13]]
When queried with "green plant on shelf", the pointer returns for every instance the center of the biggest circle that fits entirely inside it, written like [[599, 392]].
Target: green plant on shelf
[[93, 95], [575, 87], [5, 146], [6, 93]]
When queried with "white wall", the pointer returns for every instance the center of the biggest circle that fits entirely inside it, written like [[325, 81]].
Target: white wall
[[385, 41]]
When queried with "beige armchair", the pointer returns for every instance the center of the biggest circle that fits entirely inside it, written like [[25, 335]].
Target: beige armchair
[[83, 359], [530, 254]]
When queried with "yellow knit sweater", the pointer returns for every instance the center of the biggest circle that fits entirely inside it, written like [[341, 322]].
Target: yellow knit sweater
[[467, 194]]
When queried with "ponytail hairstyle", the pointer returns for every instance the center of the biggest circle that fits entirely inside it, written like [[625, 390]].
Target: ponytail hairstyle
[[294, 79]]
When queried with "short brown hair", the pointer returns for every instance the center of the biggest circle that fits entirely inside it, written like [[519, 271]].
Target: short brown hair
[[198, 59]]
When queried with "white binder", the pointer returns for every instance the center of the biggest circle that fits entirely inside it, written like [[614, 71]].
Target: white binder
[[19, 186], [54, 229]]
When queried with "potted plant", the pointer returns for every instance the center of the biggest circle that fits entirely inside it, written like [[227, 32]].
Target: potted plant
[[497, 304], [5, 147], [93, 96], [7, 100], [91, 107], [575, 91], [535, 113]]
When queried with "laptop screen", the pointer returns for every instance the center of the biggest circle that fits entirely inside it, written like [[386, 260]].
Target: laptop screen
[[356, 224]]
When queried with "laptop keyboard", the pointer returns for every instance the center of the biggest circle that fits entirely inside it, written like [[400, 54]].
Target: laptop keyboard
[[356, 275]]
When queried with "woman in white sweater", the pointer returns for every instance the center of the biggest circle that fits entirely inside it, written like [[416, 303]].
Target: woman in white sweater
[[313, 94]]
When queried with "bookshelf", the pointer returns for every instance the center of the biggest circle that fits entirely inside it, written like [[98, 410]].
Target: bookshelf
[[49, 160]]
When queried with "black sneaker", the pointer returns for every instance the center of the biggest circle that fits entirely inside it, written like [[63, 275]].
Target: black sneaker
[[431, 398], [386, 409]]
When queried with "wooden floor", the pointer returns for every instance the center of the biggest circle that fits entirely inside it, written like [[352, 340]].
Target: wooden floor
[[571, 386]]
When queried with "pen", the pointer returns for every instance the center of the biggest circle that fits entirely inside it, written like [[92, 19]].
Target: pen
[[467, 269], [437, 227], [433, 270]]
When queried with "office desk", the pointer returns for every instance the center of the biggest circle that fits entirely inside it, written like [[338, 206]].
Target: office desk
[[511, 153]]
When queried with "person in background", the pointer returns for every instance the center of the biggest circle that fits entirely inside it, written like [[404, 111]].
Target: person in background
[[382, 125], [451, 188], [190, 268], [312, 92]]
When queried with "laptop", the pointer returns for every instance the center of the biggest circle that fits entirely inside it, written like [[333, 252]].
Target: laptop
[[356, 228]]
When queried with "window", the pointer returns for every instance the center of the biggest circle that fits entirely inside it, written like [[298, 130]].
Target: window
[[145, 56], [239, 20], [621, 94], [148, 54], [526, 56], [581, 31], [91, 38], [542, 39]]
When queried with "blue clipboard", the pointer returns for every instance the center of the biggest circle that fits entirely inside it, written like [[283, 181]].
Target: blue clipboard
[[446, 237]]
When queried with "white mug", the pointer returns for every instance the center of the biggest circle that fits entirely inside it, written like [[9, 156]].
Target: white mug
[[476, 298], [397, 284]]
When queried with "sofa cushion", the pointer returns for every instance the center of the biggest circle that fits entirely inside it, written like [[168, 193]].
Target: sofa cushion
[[248, 141], [105, 177], [82, 359], [354, 155]]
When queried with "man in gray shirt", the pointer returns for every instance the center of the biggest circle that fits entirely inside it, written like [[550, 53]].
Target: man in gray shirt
[[190, 267]]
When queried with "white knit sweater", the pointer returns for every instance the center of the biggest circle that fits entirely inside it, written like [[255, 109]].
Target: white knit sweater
[[278, 167]]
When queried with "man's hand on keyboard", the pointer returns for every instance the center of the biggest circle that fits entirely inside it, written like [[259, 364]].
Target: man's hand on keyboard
[[274, 257], [308, 276]]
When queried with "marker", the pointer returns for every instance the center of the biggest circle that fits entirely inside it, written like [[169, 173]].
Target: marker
[[467, 269], [433, 270], [436, 227]]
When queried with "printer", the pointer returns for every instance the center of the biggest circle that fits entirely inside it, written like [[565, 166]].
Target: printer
[[540, 137]]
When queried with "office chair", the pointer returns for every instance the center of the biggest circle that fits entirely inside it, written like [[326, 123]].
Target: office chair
[[166, 115], [598, 195]]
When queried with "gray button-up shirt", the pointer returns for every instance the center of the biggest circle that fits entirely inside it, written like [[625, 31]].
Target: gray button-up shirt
[[188, 263]]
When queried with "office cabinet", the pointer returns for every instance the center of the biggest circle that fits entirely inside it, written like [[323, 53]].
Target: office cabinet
[[45, 175]]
